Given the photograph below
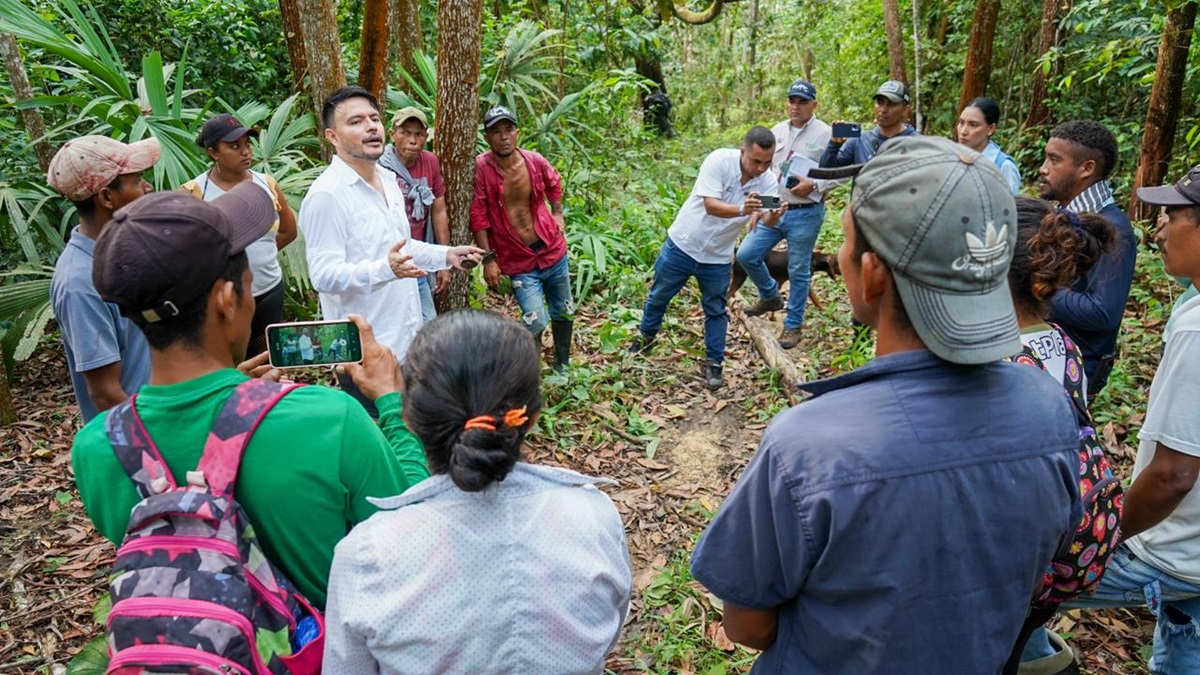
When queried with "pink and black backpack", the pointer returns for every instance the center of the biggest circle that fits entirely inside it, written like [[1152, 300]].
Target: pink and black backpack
[[191, 589]]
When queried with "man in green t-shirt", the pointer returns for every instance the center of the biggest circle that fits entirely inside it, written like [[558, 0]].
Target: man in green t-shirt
[[176, 266]]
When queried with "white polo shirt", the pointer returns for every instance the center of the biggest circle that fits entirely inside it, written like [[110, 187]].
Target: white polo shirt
[[705, 237], [348, 229]]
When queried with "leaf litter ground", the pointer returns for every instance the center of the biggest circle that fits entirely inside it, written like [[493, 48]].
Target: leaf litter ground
[[675, 447]]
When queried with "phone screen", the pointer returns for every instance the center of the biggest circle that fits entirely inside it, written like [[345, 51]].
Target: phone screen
[[846, 130], [313, 343]]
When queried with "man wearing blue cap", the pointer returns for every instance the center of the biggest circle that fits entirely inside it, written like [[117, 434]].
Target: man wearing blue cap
[[799, 142]]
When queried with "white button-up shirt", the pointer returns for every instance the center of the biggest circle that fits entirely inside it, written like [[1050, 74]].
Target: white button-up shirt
[[705, 237], [348, 229], [529, 576], [809, 141]]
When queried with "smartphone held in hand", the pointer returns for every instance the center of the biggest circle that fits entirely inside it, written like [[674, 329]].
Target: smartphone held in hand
[[846, 130], [313, 343], [769, 202]]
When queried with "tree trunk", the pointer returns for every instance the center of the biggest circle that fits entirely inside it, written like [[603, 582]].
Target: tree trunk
[[895, 40], [372, 54], [1052, 14], [1162, 117], [323, 49], [407, 36], [458, 56], [293, 35], [35, 126], [8, 413], [978, 69]]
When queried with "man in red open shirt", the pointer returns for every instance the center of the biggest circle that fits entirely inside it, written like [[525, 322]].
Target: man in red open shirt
[[509, 214]]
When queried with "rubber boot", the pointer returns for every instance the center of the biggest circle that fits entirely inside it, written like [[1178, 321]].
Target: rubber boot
[[562, 329]]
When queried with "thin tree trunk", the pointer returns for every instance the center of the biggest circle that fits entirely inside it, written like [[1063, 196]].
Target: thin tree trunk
[[323, 49], [293, 35], [1162, 116], [407, 36], [1052, 14], [458, 57], [978, 69], [8, 413], [35, 125], [372, 54], [895, 40]]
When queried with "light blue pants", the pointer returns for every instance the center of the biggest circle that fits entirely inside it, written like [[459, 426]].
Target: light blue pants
[[542, 288], [800, 227], [425, 285], [1129, 582]]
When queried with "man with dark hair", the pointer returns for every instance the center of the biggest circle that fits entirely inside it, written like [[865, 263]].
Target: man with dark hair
[[106, 354], [842, 547], [892, 110], [799, 141], [509, 214], [419, 175], [1080, 155], [361, 255], [177, 267], [700, 242], [1158, 560]]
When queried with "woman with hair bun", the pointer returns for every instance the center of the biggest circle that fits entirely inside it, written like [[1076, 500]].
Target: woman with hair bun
[[491, 565], [976, 124], [1054, 248]]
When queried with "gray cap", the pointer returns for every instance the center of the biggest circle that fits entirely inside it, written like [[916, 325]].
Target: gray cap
[[1185, 191], [943, 219]]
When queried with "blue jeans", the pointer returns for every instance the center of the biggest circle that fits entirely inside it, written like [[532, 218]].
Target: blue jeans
[[428, 309], [800, 227], [671, 272], [541, 287], [1129, 582]]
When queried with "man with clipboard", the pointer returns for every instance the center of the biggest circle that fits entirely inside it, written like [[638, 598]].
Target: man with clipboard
[[799, 142]]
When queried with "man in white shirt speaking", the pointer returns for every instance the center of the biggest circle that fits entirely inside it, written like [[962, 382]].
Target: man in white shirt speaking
[[360, 257]]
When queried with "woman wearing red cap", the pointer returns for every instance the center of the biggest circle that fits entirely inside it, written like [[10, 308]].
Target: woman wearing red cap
[[227, 143]]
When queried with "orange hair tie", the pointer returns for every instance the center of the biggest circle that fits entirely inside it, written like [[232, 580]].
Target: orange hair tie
[[481, 422], [513, 418]]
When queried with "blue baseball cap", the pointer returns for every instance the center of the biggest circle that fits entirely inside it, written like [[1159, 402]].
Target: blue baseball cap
[[803, 89]]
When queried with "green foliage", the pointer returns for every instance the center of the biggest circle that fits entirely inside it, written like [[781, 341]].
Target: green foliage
[[676, 634]]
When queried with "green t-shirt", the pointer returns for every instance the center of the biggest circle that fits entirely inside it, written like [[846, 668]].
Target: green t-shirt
[[304, 478]]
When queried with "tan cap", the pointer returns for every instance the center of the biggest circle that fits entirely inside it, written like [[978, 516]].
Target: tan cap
[[404, 114], [86, 164]]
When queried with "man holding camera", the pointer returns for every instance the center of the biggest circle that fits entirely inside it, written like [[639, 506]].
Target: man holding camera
[[509, 215], [700, 242], [892, 110], [799, 142]]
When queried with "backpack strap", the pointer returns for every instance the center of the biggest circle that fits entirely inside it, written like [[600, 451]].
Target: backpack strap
[[135, 450], [243, 411]]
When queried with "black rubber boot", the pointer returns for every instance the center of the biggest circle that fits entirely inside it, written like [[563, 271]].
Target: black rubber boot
[[561, 329]]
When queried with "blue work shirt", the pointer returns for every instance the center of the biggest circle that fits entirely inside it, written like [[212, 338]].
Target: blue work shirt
[[94, 333], [859, 150], [1091, 310], [900, 520]]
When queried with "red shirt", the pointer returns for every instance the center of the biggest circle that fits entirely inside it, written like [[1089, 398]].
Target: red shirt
[[427, 167], [487, 213]]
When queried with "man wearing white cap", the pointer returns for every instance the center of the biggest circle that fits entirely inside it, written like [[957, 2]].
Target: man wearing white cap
[[106, 354]]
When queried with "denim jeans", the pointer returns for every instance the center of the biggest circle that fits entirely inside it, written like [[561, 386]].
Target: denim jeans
[[800, 227], [1129, 582], [541, 287], [428, 309], [671, 272]]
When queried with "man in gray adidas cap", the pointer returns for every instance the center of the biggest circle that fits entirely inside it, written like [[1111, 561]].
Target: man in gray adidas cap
[[933, 474]]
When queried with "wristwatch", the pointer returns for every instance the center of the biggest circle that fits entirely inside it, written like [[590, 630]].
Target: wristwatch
[[741, 209]]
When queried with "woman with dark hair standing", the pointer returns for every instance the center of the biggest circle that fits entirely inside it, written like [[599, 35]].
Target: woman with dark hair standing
[[491, 565], [227, 143], [976, 124], [1054, 248]]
